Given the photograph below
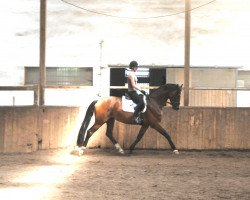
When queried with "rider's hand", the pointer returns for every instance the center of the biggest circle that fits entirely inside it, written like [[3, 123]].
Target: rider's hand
[[143, 92]]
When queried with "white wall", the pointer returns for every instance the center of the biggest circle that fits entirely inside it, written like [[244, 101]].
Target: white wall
[[219, 34]]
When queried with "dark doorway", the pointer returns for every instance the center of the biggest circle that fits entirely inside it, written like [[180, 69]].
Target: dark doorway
[[157, 77], [117, 78], [148, 76]]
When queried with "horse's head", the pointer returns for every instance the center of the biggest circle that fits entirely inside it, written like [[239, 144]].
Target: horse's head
[[167, 92], [175, 96]]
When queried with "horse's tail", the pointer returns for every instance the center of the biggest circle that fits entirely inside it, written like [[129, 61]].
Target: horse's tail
[[82, 132]]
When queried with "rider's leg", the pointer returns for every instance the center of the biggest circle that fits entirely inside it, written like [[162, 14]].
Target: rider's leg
[[139, 105], [138, 109]]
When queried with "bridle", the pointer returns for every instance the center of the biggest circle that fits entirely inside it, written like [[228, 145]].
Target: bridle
[[174, 102]]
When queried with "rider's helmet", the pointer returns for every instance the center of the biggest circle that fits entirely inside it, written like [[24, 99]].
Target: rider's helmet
[[133, 64]]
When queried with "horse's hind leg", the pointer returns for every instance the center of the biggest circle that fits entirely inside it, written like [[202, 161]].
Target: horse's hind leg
[[109, 134], [90, 132]]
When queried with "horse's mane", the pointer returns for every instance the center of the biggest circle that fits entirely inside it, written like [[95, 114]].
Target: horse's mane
[[168, 86]]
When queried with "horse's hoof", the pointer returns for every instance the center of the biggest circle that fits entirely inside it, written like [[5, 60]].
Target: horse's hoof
[[81, 151], [176, 152], [121, 152], [78, 152]]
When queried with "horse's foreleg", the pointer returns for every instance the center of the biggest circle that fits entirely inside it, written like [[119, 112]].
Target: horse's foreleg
[[167, 136], [142, 131], [109, 134]]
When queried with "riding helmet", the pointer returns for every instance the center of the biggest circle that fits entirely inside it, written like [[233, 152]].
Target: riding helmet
[[133, 64]]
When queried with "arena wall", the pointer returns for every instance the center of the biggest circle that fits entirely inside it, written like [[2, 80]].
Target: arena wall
[[32, 128]]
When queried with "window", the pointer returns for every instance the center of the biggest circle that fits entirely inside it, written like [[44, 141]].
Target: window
[[61, 76]]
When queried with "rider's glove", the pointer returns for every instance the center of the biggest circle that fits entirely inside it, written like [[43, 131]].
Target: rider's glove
[[143, 92]]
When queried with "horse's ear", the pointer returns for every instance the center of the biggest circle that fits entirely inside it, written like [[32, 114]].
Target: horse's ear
[[180, 86]]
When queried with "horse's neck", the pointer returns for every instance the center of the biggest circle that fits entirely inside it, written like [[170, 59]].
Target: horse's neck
[[159, 99], [155, 108]]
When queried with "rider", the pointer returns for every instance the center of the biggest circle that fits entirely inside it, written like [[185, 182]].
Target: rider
[[133, 90]]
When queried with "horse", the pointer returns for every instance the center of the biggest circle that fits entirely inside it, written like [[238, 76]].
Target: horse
[[109, 109]]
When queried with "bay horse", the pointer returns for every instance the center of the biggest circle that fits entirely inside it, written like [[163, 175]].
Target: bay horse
[[109, 109]]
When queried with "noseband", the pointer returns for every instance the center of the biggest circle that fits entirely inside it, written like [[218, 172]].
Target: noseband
[[172, 104]]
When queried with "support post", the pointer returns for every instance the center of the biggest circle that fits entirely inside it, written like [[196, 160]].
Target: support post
[[42, 67], [187, 52]]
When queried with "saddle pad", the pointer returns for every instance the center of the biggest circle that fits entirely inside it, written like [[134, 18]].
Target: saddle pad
[[128, 105]]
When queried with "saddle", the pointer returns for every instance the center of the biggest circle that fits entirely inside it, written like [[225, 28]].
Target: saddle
[[128, 105]]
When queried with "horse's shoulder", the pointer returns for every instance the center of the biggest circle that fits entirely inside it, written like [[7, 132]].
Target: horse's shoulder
[[152, 105]]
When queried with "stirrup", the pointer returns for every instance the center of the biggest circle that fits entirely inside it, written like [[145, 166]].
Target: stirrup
[[138, 120]]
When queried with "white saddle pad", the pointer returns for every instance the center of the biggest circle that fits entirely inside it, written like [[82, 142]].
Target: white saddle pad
[[128, 105]]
